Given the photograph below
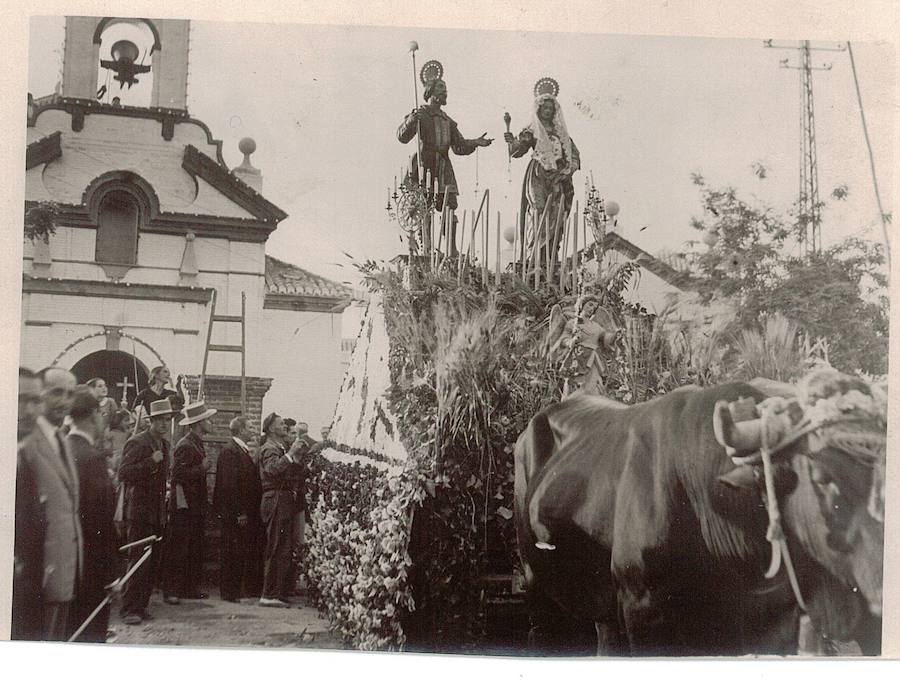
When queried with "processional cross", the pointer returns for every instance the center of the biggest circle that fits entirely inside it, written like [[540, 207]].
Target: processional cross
[[124, 385]]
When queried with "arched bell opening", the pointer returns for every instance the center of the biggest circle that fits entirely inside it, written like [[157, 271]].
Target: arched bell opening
[[125, 70]]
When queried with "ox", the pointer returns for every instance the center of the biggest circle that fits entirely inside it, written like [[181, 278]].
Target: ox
[[626, 517]]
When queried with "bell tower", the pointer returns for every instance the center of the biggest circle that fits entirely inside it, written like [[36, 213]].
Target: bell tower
[[105, 56]]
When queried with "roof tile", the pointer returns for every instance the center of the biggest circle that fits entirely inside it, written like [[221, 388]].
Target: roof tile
[[286, 279]]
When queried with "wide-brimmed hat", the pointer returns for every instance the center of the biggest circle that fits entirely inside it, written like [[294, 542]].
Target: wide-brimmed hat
[[195, 412], [161, 407]]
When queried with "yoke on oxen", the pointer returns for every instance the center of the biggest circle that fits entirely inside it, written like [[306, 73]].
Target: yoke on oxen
[[625, 515]]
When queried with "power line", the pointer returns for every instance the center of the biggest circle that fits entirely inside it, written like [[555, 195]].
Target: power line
[[862, 115]]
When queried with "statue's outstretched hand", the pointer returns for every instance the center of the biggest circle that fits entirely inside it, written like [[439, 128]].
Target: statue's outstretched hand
[[483, 142]]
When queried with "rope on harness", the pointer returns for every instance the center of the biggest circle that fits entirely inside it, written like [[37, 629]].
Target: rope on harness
[[775, 533], [777, 433]]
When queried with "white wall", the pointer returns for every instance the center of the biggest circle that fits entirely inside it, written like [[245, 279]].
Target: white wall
[[230, 267], [171, 331], [302, 352], [111, 142]]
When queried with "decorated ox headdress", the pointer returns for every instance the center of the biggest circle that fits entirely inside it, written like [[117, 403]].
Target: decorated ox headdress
[[431, 73], [832, 411]]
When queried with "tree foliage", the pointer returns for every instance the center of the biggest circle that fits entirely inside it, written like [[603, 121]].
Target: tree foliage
[[838, 293], [40, 221]]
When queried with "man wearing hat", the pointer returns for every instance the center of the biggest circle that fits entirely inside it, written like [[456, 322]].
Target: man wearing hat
[[187, 503], [280, 469], [145, 461]]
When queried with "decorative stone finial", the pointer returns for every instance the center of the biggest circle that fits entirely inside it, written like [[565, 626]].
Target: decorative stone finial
[[247, 146], [246, 171]]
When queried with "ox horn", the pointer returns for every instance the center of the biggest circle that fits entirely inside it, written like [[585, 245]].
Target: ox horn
[[742, 437]]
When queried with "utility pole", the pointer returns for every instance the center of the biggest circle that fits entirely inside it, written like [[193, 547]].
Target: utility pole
[[810, 218]]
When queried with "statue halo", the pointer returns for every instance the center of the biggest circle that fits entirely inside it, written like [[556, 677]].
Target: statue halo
[[546, 85], [431, 71]]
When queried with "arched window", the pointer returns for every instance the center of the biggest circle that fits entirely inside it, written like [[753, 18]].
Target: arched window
[[117, 230]]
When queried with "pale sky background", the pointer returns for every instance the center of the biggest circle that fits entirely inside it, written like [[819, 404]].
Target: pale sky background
[[323, 104]]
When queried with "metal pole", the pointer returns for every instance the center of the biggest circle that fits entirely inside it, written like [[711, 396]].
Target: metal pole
[[243, 354], [413, 46], [575, 249], [137, 388], [147, 552], [552, 248], [484, 237], [497, 275], [212, 312]]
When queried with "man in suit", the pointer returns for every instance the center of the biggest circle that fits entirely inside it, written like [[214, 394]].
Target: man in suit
[[299, 487], [28, 571], [56, 480], [97, 500], [236, 497], [145, 461], [187, 504], [279, 469]]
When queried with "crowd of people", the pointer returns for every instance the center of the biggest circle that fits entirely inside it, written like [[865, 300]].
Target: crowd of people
[[105, 508]]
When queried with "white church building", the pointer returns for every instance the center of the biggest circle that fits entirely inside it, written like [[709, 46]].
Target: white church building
[[151, 225]]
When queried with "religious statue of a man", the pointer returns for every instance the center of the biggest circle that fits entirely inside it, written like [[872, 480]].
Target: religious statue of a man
[[548, 177], [437, 134]]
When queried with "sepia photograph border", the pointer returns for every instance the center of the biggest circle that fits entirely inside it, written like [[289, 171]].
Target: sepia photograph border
[[868, 20]]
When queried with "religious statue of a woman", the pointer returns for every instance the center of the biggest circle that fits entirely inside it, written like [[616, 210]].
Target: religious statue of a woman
[[548, 177]]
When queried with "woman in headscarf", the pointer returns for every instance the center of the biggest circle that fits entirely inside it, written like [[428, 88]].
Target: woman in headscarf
[[548, 178], [160, 378]]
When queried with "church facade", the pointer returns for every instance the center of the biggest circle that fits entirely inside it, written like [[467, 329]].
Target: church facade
[[153, 231]]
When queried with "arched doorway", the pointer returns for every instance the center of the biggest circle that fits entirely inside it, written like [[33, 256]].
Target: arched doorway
[[117, 369]]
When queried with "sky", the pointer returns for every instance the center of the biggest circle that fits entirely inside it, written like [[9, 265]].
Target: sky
[[323, 104]]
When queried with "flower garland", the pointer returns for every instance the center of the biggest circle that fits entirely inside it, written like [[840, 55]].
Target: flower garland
[[356, 561]]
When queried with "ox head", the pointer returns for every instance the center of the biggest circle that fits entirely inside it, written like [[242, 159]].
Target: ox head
[[833, 436]]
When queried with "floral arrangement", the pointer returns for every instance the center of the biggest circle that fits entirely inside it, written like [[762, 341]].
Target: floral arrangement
[[356, 560], [401, 548]]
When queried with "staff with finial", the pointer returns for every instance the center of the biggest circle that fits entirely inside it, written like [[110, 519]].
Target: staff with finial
[[507, 120], [413, 47]]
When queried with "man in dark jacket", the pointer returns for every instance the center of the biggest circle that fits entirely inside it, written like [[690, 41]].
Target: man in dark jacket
[[279, 471], [145, 460], [97, 503], [30, 528], [187, 504], [236, 497]]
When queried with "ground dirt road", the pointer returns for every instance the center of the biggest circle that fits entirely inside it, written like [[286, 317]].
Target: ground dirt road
[[216, 623]]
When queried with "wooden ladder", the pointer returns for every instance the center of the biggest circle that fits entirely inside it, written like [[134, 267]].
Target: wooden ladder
[[225, 348]]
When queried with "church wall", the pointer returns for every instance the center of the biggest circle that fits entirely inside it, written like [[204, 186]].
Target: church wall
[[159, 259], [34, 184], [302, 353], [109, 142], [53, 323], [159, 256]]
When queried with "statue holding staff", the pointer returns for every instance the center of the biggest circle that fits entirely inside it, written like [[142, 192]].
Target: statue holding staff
[[548, 177], [438, 134]]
